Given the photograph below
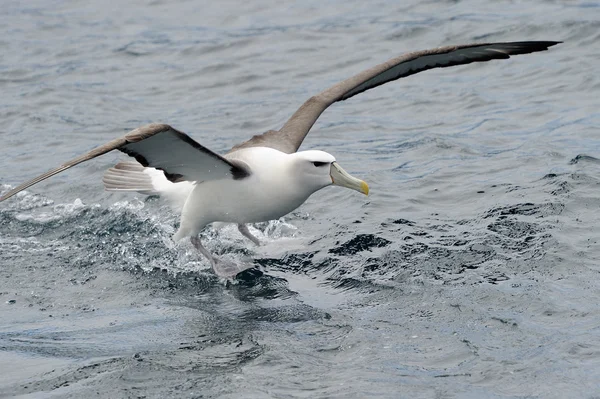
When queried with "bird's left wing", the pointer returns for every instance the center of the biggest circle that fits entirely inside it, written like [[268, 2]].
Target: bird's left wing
[[161, 147], [289, 138]]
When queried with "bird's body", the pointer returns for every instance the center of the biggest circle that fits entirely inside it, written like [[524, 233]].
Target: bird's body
[[270, 192], [265, 177]]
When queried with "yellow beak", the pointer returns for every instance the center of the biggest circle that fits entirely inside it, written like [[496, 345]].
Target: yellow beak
[[340, 177]]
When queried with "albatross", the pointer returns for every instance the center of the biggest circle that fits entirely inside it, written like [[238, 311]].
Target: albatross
[[265, 177]]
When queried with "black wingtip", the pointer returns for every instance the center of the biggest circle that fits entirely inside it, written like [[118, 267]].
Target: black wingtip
[[537, 45], [548, 44], [526, 47]]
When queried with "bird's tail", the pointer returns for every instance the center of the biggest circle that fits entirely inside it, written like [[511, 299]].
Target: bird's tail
[[132, 176], [128, 176]]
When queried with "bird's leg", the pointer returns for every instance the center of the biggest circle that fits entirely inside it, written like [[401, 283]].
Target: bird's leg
[[246, 233], [222, 268], [196, 242]]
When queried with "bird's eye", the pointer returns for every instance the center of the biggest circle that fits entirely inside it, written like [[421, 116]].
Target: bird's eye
[[317, 163]]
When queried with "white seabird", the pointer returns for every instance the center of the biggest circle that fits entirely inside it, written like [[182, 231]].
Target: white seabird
[[265, 177]]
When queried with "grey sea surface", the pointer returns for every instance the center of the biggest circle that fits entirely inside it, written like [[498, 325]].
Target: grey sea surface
[[472, 270]]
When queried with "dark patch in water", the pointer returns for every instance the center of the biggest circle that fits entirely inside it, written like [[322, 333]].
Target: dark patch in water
[[514, 229], [362, 242], [403, 221], [286, 314], [527, 209], [583, 158], [292, 262]]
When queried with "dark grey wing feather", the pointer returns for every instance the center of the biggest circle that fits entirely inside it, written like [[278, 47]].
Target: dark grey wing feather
[[289, 138], [162, 147]]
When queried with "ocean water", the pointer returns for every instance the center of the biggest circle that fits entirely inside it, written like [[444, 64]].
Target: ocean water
[[472, 270]]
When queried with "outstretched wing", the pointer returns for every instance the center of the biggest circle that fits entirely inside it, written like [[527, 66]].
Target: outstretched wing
[[291, 135], [161, 147]]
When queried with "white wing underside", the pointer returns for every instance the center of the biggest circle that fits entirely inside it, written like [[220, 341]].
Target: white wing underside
[[132, 176]]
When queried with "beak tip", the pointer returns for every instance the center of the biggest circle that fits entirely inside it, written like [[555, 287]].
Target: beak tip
[[364, 188]]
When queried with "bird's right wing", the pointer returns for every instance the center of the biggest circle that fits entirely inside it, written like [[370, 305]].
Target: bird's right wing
[[159, 146]]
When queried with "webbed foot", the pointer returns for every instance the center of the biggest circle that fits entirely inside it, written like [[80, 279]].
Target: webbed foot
[[222, 267], [228, 269]]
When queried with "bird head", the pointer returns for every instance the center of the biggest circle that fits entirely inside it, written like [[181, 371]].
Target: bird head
[[319, 169]]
